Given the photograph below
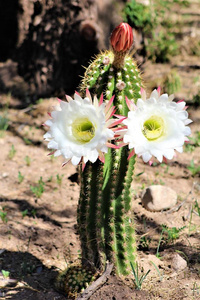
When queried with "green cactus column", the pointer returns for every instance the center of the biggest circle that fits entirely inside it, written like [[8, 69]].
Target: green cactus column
[[105, 223]]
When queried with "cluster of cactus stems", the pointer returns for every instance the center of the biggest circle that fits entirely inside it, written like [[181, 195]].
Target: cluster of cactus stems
[[105, 222]]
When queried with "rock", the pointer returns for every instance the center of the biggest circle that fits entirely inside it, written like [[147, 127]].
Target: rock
[[178, 263], [158, 197], [4, 175]]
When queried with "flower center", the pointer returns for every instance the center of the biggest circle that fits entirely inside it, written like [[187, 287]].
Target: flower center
[[83, 130], [153, 128]]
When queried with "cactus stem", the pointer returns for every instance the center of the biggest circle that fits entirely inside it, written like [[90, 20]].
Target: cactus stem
[[119, 58]]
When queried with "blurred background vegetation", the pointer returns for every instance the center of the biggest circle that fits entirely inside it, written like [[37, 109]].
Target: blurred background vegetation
[[47, 44]]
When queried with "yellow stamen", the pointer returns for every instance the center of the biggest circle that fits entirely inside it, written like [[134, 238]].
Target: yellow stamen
[[153, 128], [83, 130]]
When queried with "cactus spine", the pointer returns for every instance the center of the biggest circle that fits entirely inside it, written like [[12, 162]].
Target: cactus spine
[[105, 225]]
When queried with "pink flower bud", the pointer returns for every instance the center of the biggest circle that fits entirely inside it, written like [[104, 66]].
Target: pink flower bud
[[122, 37]]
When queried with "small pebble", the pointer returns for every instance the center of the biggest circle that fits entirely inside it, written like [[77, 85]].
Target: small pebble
[[4, 175]]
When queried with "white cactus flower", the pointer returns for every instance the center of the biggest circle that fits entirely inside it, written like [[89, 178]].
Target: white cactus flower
[[81, 129], [156, 126]]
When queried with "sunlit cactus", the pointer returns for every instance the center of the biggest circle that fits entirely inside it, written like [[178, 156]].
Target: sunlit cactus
[[102, 129], [105, 222]]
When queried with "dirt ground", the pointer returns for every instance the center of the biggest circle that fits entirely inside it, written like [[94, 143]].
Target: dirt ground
[[38, 233]]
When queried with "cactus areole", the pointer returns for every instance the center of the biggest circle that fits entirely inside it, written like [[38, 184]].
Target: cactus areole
[[105, 222]]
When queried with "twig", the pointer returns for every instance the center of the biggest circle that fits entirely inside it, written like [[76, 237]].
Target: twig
[[177, 207], [150, 231], [97, 283], [189, 213], [26, 109], [195, 213]]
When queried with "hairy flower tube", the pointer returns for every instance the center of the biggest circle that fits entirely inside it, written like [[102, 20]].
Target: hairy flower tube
[[81, 129], [122, 37], [156, 126]]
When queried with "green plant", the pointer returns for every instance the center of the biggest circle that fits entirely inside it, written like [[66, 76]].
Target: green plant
[[196, 206], [50, 178], [196, 289], [33, 213], [191, 227], [24, 213], [189, 147], [157, 26], [27, 141], [59, 179], [144, 242], [159, 243], [139, 278], [194, 142], [158, 271], [166, 170], [196, 79], [4, 123], [172, 82], [12, 152], [20, 177], [5, 274], [27, 267], [3, 215], [161, 182], [143, 186], [139, 174], [196, 139], [38, 189], [172, 233], [162, 46], [167, 235], [193, 169], [194, 210], [27, 160], [195, 48], [39, 101], [138, 16]]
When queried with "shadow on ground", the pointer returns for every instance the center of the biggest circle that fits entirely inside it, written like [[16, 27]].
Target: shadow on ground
[[32, 279]]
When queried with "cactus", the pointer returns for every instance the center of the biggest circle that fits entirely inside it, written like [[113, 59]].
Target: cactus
[[84, 130], [105, 224], [75, 279]]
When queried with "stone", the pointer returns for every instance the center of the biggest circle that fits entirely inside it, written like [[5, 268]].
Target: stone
[[4, 175], [158, 197], [178, 263]]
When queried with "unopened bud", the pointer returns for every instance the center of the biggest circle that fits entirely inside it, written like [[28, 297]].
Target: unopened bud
[[122, 38]]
